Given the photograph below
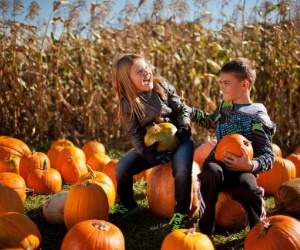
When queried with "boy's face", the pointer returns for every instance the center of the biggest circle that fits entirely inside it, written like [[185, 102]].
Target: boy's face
[[233, 89], [141, 75]]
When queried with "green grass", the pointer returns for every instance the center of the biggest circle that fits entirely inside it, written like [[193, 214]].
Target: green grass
[[142, 231]]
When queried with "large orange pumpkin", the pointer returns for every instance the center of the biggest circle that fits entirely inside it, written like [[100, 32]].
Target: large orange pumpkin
[[230, 214], [281, 171], [187, 239], [72, 169], [18, 231], [274, 233], [94, 234], [12, 146], [85, 201], [232, 143], [164, 134], [160, 190]]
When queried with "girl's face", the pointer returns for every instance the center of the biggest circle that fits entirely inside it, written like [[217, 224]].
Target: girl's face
[[141, 75], [233, 89]]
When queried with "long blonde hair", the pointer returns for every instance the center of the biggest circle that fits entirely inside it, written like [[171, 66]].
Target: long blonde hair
[[123, 86]]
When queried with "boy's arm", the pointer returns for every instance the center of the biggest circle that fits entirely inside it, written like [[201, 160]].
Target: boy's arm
[[264, 155]]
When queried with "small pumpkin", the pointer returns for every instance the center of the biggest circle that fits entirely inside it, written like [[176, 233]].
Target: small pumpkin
[[32, 161], [45, 180], [232, 143], [53, 208], [18, 231], [187, 239], [98, 161], [72, 169], [85, 201], [94, 234], [93, 147], [164, 134], [274, 233]]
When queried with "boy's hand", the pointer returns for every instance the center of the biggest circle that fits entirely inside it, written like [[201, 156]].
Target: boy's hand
[[236, 163]]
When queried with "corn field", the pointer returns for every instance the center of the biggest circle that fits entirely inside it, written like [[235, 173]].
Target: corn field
[[55, 75]]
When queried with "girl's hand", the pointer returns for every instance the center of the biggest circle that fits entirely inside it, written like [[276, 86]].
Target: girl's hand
[[236, 163]]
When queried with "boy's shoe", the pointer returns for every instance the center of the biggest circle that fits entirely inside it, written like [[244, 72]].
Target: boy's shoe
[[179, 221], [121, 211]]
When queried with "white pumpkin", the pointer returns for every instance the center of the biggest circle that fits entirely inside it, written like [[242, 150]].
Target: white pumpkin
[[53, 209]]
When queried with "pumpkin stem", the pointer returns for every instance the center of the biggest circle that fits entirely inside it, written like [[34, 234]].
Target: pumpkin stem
[[156, 127], [100, 225], [45, 167], [265, 226], [92, 173]]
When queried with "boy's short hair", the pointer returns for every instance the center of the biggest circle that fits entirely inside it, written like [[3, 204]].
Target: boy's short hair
[[242, 68]]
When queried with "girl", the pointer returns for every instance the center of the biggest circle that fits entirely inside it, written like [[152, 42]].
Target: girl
[[144, 99]]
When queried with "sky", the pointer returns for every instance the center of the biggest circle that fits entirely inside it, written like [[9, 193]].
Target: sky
[[214, 8]]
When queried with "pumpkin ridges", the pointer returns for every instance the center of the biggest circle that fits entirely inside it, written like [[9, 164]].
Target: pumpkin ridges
[[15, 182], [274, 232], [295, 158], [103, 236], [18, 231], [93, 147], [10, 201]]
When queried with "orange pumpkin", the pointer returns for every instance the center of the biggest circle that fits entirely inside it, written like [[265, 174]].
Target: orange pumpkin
[[202, 151], [10, 201], [53, 153], [281, 171], [62, 142], [103, 180], [72, 169], [32, 161], [109, 170], [98, 161], [94, 234], [164, 134], [275, 232], [232, 143], [18, 231], [93, 147], [277, 150], [12, 146], [295, 158], [15, 182], [187, 239], [230, 214], [85, 201], [45, 180], [160, 190]]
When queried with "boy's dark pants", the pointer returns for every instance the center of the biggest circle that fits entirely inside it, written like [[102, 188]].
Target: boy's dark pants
[[213, 179]]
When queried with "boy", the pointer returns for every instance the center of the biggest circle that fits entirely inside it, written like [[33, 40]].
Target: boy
[[235, 114]]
